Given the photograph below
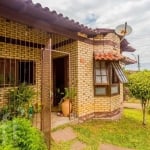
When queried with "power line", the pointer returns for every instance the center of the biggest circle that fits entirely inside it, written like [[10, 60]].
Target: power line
[[141, 34], [139, 38]]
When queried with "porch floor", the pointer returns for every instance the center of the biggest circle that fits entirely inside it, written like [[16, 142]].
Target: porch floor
[[58, 120], [55, 120]]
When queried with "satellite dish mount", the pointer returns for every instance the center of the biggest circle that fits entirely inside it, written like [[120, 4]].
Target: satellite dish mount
[[123, 30]]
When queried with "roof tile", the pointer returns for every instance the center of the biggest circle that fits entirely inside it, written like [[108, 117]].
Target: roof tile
[[51, 16], [108, 56], [128, 61]]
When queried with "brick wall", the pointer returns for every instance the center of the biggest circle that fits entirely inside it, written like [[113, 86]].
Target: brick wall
[[81, 64], [85, 79], [105, 47], [90, 106], [15, 30]]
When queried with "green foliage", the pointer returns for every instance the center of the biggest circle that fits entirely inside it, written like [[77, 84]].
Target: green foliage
[[149, 110], [20, 102], [18, 134], [139, 84], [3, 111], [21, 95], [61, 146], [70, 93]]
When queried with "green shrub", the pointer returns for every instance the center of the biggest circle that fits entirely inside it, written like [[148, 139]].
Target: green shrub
[[139, 86], [20, 101], [18, 134]]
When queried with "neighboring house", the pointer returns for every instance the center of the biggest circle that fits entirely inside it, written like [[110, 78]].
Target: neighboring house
[[51, 52]]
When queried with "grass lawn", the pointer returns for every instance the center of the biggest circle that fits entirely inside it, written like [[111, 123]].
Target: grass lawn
[[127, 132]]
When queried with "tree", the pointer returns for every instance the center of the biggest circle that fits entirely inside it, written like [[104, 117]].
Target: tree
[[139, 86]]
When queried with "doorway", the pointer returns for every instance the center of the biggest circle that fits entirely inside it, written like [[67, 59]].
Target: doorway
[[60, 78]]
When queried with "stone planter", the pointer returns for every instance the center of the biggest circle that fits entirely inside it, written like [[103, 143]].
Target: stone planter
[[66, 107]]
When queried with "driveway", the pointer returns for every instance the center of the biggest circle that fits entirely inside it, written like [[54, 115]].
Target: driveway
[[132, 105]]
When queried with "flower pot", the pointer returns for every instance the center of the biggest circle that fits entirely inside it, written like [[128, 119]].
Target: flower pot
[[66, 107]]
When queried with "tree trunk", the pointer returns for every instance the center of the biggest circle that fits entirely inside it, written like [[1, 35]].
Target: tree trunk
[[144, 111]]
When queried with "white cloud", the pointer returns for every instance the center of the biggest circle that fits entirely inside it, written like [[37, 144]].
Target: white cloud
[[109, 14]]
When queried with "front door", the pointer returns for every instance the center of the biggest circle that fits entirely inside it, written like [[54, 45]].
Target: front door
[[60, 78]]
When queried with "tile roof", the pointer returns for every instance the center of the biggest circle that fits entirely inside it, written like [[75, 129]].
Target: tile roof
[[51, 17], [128, 49], [27, 7], [125, 46], [112, 56], [128, 61], [104, 30]]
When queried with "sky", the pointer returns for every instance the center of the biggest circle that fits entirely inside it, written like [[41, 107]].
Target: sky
[[110, 14]]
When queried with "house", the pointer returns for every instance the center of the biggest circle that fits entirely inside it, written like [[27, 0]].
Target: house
[[49, 52]]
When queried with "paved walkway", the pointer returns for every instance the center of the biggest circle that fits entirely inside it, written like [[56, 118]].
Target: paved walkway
[[67, 134], [132, 105], [57, 120], [63, 135], [111, 147]]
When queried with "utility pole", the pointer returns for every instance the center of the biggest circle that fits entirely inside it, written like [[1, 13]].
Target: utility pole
[[137, 58], [138, 61]]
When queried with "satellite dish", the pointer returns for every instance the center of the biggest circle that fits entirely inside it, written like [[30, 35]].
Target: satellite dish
[[123, 29]]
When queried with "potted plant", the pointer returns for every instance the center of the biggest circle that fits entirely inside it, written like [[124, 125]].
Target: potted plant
[[66, 102]]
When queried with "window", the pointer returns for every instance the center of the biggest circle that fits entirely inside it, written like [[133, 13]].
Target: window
[[99, 90], [101, 78], [119, 72], [114, 77], [114, 89], [26, 72], [7, 72], [106, 78], [14, 72], [101, 74]]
